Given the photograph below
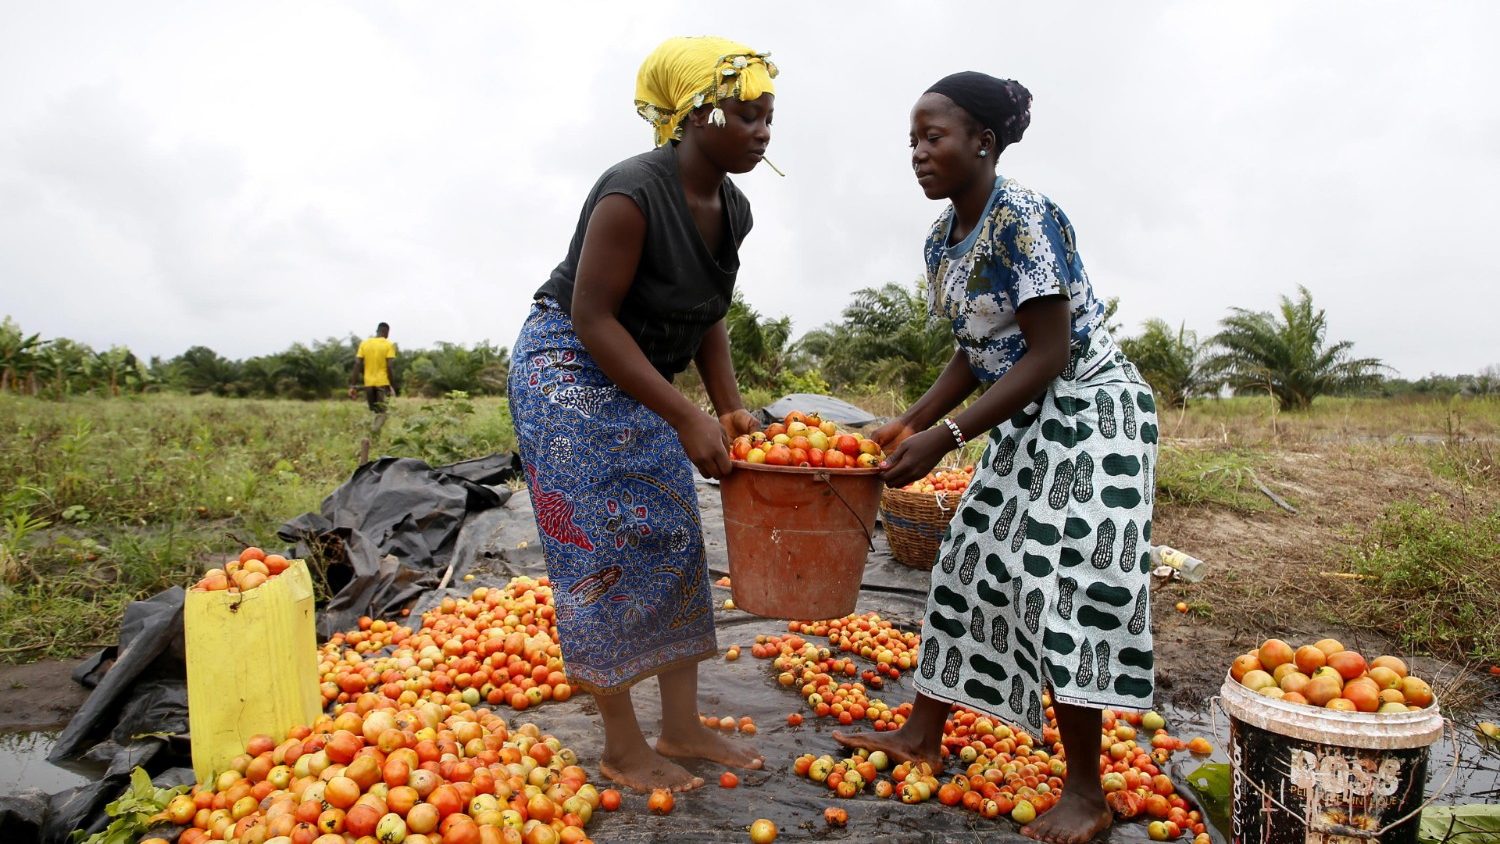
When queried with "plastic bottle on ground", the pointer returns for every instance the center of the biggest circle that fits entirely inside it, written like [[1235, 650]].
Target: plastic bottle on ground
[[1189, 568]]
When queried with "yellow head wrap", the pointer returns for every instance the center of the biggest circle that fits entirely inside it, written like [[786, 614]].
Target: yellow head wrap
[[685, 73]]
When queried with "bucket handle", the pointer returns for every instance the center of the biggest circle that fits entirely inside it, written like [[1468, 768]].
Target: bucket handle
[[869, 538], [1215, 705]]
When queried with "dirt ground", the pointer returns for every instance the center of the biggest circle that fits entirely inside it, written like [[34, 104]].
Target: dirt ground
[[1276, 573], [38, 696]]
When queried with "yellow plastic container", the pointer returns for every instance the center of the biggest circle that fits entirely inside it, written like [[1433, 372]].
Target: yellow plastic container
[[252, 666]]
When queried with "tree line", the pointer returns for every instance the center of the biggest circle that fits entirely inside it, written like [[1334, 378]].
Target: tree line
[[60, 367], [887, 341], [884, 341]]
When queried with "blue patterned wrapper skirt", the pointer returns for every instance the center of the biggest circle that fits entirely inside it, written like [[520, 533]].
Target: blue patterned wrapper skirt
[[1043, 577], [616, 510]]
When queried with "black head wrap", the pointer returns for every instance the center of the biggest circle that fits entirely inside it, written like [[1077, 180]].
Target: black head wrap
[[1002, 106]]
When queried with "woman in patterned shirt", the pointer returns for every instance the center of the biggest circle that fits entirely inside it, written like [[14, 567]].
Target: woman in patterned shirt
[[1041, 583]]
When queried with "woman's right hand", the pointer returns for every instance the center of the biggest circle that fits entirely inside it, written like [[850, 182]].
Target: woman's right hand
[[915, 457], [706, 444], [892, 434]]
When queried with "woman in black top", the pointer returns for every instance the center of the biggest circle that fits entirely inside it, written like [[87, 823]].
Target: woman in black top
[[643, 292]]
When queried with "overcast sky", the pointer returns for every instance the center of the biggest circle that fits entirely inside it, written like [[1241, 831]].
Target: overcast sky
[[248, 175]]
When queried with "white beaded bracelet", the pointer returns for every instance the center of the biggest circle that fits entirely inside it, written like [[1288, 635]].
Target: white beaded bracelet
[[958, 436]]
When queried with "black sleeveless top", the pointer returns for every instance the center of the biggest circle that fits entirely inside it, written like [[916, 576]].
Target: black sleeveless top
[[680, 289]]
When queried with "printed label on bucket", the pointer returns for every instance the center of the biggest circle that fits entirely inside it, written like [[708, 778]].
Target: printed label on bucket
[[1287, 790], [1332, 774]]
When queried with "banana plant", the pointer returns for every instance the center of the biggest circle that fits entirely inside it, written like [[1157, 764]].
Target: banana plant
[[18, 354]]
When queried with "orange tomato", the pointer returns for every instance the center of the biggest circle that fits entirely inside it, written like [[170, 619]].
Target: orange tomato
[[660, 802]]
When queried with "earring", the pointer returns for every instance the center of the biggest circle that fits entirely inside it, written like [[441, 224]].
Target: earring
[[983, 153]]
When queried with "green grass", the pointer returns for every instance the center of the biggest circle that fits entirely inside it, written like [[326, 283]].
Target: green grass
[[1434, 578], [1209, 476], [1256, 418], [1466, 462], [105, 501]]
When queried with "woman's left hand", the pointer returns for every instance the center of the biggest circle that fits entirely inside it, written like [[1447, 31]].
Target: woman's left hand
[[738, 422], [916, 456]]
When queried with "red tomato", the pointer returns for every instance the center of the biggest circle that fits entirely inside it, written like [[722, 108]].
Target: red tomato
[[447, 800]]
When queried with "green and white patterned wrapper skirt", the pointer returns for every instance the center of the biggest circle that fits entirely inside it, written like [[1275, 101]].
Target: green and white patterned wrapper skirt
[[1043, 577]]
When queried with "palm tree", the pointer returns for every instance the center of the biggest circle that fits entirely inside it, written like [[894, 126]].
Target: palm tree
[[758, 346], [201, 370], [449, 367], [886, 339], [317, 371], [1172, 362], [18, 354], [1486, 383], [1287, 356], [259, 376], [823, 352]]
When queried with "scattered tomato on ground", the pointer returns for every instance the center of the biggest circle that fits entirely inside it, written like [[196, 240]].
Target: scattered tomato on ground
[[1006, 771]]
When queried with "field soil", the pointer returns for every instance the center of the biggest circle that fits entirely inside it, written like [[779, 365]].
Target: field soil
[[1276, 573], [38, 695]]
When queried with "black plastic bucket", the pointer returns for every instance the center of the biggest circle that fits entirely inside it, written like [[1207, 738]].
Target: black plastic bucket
[[1306, 775]]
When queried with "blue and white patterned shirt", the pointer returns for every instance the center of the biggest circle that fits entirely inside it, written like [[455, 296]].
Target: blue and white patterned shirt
[[1023, 248]]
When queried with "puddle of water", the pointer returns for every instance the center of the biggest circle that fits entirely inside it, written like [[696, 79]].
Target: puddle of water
[[24, 765]]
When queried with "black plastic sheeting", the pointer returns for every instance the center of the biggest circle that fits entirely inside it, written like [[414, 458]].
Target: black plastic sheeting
[[388, 534], [140, 696], [386, 537], [827, 407]]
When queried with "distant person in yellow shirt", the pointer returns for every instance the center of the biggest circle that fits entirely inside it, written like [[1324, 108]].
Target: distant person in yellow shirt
[[372, 370]]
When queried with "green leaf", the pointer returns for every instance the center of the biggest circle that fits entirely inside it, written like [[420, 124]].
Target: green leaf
[[1211, 784], [1460, 824], [131, 812], [140, 784]]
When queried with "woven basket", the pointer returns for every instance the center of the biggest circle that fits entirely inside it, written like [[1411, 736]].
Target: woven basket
[[915, 522]]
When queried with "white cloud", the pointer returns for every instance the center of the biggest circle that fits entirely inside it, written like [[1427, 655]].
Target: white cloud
[[247, 176]]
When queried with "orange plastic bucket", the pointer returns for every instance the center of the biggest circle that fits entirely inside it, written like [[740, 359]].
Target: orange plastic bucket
[[798, 538]]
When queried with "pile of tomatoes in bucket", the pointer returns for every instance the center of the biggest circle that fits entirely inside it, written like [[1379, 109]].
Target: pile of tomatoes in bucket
[[943, 480], [807, 441], [252, 568], [1327, 675]]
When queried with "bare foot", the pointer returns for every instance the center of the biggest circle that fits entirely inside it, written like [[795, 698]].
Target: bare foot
[[695, 741], [900, 745], [646, 770], [1074, 820]]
